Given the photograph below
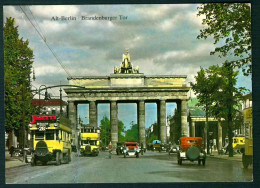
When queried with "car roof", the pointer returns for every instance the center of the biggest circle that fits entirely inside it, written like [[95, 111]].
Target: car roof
[[131, 143]]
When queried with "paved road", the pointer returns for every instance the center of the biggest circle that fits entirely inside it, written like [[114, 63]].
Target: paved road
[[151, 167]]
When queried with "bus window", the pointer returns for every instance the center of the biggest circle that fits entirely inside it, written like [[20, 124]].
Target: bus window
[[49, 135], [39, 135]]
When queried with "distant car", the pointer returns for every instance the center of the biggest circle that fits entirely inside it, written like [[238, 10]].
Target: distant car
[[120, 148], [156, 145], [173, 149], [191, 149], [131, 149], [163, 147]]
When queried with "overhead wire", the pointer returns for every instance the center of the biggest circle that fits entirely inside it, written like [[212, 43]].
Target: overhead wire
[[45, 41]]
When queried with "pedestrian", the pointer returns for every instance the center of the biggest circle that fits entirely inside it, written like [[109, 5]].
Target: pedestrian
[[11, 151], [215, 144], [210, 145], [110, 147]]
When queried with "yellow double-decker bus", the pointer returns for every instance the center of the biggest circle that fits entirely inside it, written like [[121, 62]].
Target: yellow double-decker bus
[[51, 140], [90, 140], [247, 157]]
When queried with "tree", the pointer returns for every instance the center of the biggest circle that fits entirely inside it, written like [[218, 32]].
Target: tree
[[132, 134], [121, 130], [229, 23], [18, 60], [226, 99], [105, 133], [204, 87]]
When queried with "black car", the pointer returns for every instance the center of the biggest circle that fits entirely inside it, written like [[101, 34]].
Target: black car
[[120, 148]]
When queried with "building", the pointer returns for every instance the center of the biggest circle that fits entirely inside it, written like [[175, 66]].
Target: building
[[51, 107]]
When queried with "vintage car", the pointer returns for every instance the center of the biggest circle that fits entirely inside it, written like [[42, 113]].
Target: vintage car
[[191, 149], [90, 141], [119, 148], [238, 143], [173, 148], [131, 149], [156, 145], [163, 147]]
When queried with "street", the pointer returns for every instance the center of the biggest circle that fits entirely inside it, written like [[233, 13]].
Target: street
[[150, 167]]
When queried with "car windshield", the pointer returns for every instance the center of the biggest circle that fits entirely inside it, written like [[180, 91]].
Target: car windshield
[[130, 145], [90, 142], [193, 141]]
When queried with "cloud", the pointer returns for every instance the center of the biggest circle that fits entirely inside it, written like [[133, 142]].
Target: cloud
[[54, 10], [161, 38]]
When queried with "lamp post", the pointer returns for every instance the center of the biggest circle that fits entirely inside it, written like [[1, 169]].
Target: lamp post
[[45, 97]]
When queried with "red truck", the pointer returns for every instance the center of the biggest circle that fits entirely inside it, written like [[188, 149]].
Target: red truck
[[191, 149]]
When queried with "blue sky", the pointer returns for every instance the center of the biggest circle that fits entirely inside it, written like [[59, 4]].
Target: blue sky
[[161, 41]]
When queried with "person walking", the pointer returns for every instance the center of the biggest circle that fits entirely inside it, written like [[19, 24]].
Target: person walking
[[110, 147]]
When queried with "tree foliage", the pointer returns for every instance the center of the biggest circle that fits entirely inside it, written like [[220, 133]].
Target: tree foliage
[[105, 133], [121, 129], [230, 26], [131, 134], [216, 91], [204, 87], [18, 60]]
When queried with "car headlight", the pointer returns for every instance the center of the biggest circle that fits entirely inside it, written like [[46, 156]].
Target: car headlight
[[121, 148], [201, 154]]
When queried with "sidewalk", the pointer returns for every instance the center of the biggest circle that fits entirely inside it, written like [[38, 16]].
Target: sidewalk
[[236, 157], [12, 161]]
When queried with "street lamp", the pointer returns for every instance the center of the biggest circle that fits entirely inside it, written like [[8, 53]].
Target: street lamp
[[46, 98]]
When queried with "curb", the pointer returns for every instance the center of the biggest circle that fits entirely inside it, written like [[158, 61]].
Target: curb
[[7, 166], [227, 158]]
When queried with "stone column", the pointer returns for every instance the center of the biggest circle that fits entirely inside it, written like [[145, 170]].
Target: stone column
[[162, 121], [114, 123], [219, 135], [141, 122], [193, 128], [184, 123], [73, 118], [92, 114]]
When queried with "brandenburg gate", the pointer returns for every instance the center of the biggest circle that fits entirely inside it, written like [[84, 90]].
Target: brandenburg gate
[[126, 84]]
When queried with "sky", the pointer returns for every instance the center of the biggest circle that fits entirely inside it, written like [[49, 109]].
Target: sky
[[161, 41]]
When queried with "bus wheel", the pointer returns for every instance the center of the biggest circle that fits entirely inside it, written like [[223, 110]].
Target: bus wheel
[[58, 158]]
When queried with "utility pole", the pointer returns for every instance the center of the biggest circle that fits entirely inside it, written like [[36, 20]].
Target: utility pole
[[23, 122], [60, 102]]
